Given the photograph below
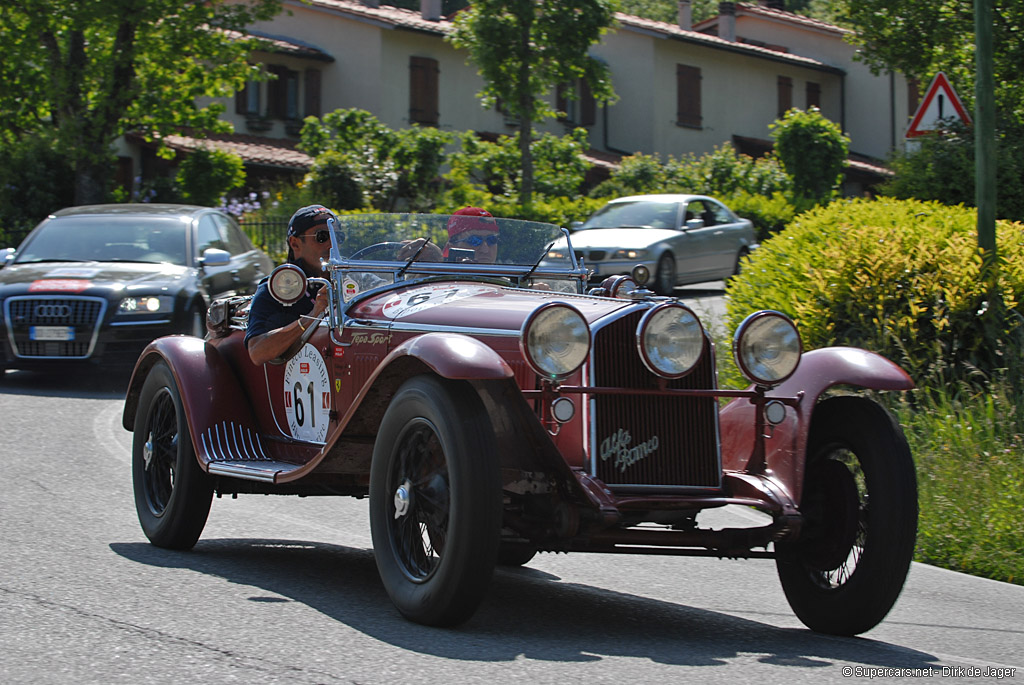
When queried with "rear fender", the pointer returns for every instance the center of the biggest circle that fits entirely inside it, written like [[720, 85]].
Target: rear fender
[[786, 445], [211, 395]]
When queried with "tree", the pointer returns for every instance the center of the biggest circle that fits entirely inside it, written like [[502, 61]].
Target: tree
[[85, 72], [922, 38], [208, 174], [524, 49], [812, 150]]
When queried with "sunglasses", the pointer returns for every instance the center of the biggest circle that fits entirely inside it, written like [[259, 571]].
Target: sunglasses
[[476, 240], [322, 236]]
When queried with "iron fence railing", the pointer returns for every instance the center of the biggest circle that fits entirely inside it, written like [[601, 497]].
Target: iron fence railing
[[268, 236]]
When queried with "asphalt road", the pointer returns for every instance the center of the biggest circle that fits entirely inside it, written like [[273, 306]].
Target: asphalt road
[[284, 590]]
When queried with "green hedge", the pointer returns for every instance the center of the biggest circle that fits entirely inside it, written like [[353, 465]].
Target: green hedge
[[900, 277]]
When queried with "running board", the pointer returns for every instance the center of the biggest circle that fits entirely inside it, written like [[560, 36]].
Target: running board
[[264, 470]]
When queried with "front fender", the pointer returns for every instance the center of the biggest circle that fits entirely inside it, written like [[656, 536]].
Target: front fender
[[210, 392], [452, 355], [786, 445]]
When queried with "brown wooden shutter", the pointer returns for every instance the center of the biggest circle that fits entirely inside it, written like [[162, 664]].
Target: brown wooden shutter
[[242, 100], [785, 95], [688, 107], [277, 92], [588, 108], [423, 91], [312, 92], [813, 95], [913, 96]]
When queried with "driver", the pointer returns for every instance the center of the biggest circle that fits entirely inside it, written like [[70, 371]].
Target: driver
[[273, 327]]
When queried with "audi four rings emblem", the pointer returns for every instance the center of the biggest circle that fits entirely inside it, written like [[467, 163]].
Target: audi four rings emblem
[[53, 311]]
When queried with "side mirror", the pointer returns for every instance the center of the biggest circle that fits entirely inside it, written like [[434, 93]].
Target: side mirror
[[573, 225], [215, 257], [694, 223], [7, 256]]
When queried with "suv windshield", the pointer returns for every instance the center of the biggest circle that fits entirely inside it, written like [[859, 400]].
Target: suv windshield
[[107, 239]]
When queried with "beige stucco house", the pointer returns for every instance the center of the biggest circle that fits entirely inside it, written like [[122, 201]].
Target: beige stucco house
[[682, 88]]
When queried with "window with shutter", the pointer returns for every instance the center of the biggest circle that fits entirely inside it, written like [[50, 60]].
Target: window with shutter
[[688, 107], [423, 91], [785, 85], [277, 92], [312, 92], [813, 95]]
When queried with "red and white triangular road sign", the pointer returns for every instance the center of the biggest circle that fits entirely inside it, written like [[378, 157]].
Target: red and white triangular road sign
[[940, 103]]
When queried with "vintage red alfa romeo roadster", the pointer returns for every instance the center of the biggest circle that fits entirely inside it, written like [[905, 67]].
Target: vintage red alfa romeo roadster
[[492, 408]]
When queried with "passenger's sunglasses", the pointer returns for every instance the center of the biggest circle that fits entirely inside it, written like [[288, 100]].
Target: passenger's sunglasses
[[322, 236], [477, 241]]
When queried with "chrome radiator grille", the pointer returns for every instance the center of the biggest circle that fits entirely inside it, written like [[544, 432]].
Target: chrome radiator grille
[[643, 442], [81, 314]]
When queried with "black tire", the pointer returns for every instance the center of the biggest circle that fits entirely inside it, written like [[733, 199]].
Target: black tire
[[665, 280], [844, 573], [172, 492], [435, 501], [515, 553]]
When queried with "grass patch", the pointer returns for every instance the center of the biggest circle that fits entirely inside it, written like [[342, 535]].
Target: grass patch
[[969, 454]]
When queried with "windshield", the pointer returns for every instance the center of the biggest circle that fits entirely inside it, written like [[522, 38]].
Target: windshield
[[107, 239], [471, 240], [638, 214]]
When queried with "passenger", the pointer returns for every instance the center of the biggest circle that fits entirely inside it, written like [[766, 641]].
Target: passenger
[[472, 232], [274, 327]]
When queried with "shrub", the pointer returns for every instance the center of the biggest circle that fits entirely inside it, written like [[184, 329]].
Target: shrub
[[899, 277], [35, 179], [812, 150], [207, 174], [332, 178]]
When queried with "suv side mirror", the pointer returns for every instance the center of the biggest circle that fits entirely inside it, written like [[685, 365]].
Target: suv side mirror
[[7, 256], [694, 223]]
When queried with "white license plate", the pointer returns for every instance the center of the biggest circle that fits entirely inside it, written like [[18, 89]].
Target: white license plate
[[62, 333]]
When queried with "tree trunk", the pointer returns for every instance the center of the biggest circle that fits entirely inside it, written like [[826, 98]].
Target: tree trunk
[[526, 107], [90, 183]]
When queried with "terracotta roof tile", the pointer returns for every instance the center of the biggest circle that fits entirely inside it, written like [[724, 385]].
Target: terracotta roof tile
[[393, 16], [273, 152]]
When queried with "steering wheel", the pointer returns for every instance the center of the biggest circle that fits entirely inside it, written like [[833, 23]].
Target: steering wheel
[[378, 247]]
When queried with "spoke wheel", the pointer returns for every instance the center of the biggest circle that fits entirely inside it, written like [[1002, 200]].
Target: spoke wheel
[[172, 492], [435, 501], [844, 573]]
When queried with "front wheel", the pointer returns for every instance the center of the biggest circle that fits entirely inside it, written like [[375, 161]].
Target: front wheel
[[844, 573], [435, 501], [665, 280], [172, 492]]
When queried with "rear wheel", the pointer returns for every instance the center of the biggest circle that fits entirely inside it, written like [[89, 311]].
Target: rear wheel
[[172, 492], [844, 573], [665, 281], [435, 501]]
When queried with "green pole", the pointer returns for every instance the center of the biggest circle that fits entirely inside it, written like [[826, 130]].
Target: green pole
[[984, 134]]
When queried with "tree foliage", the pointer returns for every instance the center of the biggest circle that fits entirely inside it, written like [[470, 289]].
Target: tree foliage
[[524, 49], [812, 150], [84, 72], [390, 168], [922, 38], [208, 174]]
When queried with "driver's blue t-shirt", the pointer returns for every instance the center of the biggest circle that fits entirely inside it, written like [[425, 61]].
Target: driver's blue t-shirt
[[267, 314]]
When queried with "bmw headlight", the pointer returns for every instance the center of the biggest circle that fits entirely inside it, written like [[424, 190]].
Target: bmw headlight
[[670, 339], [287, 284], [630, 254], [767, 347], [145, 304], [555, 340]]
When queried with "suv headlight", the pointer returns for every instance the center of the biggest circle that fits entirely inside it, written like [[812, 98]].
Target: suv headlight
[[145, 304], [670, 339], [555, 340], [767, 347]]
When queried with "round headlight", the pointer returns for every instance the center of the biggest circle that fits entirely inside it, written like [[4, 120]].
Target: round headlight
[[287, 284], [671, 340], [767, 347], [555, 340]]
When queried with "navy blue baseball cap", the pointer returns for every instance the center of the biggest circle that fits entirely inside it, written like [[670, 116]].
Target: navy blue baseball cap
[[307, 217]]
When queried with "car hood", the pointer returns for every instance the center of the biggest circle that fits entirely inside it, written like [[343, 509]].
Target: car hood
[[619, 238], [473, 305], [83, 277]]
